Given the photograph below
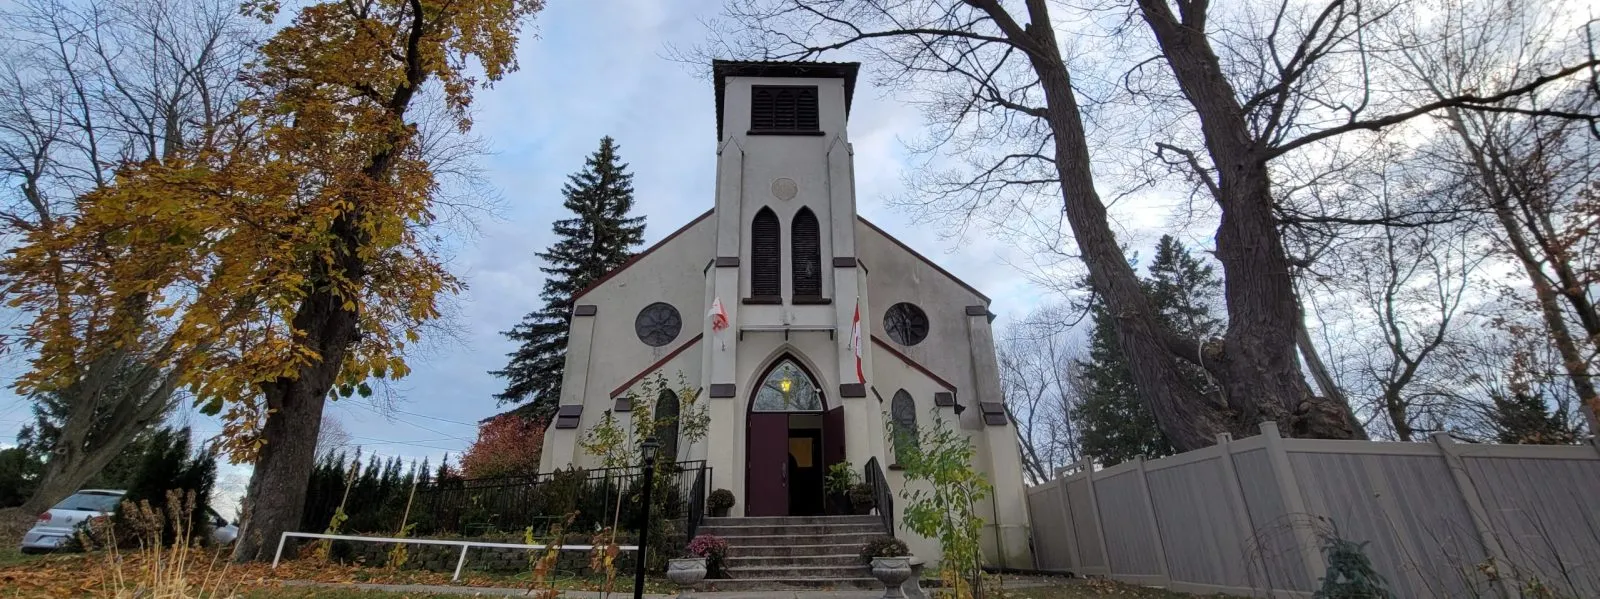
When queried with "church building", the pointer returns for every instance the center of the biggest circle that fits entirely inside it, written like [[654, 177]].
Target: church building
[[789, 389]]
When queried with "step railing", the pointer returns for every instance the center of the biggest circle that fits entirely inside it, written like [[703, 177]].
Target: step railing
[[697, 501], [881, 494]]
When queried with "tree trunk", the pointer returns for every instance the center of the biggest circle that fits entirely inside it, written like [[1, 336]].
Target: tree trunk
[[1185, 416], [87, 444], [1324, 378], [1549, 307], [276, 497], [1258, 366]]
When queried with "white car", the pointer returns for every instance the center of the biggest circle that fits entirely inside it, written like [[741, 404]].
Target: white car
[[58, 524]]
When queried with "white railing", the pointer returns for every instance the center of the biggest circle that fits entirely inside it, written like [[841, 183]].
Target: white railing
[[463, 544]]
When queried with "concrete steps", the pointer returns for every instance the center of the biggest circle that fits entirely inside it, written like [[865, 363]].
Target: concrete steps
[[795, 553]]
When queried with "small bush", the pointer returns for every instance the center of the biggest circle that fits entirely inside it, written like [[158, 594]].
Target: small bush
[[841, 477], [884, 547], [862, 498], [720, 499], [715, 550]]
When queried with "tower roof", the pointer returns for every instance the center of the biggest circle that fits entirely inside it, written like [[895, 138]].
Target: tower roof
[[721, 70]]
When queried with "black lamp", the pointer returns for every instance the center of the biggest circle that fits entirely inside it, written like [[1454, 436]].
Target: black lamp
[[647, 450]]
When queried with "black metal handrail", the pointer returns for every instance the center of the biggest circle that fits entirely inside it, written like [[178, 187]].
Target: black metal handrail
[[881, 494], [697, 502]]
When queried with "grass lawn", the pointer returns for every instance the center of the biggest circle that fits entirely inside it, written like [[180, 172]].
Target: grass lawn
[[1080, 588]]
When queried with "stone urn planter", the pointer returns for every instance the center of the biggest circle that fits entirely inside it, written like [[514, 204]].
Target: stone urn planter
[[687, 572], [892, 572]]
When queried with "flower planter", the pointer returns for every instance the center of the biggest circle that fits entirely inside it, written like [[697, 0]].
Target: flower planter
[[687, 572], [719, 512], [892, 572]]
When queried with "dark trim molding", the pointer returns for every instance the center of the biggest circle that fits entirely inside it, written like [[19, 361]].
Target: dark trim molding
[[727, 261], [585, 310], [977, 310], [656, 365], [622, 405], [724, 390], [994, 413], [810, 300], [568, 416], [944, 399], [762, 300], [852, 390], [779, 132], [845, 262]]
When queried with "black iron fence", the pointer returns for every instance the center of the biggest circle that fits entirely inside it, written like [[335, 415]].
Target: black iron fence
[[507, 507]]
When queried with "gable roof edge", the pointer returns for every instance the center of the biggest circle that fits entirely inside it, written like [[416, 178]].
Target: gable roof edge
[[925, 260], [636, 257]]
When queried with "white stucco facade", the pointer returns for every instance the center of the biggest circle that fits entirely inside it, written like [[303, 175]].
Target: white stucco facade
[[711, 259]]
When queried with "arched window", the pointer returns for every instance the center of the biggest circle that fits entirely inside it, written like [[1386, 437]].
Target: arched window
[[766, 250], [806, 255], [903, 412], [666, 417], [787, 388]]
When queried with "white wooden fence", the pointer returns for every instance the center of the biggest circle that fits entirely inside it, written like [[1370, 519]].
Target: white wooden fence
[[464, 545], [1440, 519]]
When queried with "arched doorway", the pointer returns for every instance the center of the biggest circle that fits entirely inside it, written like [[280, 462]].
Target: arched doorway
[[792, 440]]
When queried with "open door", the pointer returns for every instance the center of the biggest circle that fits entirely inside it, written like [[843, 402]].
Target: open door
[[832, 437], [766, 476]]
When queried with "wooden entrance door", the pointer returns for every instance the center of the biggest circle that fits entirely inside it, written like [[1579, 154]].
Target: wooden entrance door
[[767, 465]]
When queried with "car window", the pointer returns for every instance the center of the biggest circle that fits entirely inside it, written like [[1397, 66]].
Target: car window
[[90, 502]]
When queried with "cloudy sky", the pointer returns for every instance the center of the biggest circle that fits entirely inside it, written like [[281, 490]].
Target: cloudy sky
[[599, 68]]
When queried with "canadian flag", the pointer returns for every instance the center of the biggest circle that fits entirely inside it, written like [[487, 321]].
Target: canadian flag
[[719, 316], [855, 340]]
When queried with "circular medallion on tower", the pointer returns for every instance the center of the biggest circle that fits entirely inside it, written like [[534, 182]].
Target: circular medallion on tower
[[658, 324], [785, 188], [905, 323]]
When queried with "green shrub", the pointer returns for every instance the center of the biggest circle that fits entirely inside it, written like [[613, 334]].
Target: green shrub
[[884, 547]]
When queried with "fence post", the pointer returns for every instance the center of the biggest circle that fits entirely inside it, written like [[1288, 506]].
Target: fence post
[[1073, 556], [1294, 502], [1155, 526], [1480, 516], [1094, 512], [459, 563]]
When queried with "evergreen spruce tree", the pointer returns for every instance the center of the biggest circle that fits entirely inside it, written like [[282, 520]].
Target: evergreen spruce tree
[[599, 237], [1524, 418], [1115, 425]]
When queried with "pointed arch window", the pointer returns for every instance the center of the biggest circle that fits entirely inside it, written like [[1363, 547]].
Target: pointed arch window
[[666, 422], [903, 413], [806, 256], [766, 257], [787, 388]]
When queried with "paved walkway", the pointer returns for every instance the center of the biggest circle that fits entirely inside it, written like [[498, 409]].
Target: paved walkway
[[505, 592]]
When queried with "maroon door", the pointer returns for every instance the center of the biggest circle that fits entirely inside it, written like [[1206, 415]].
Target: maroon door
[[832, 437], [766, 480]]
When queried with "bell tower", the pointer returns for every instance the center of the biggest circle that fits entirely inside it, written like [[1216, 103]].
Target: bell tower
[[785, 265]]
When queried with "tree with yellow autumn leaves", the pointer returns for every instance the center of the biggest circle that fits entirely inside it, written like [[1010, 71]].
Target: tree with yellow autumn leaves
[[288, 254]]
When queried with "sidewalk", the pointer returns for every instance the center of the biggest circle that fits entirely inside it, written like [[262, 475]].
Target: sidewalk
[[505, 592]]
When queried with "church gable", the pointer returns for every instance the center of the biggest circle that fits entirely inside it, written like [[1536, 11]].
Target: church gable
[[643, 312], [919, 319]]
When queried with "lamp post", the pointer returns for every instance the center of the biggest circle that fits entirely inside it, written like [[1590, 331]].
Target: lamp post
[[648, 451]]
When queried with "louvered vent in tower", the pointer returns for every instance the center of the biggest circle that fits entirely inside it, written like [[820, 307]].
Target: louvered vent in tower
[[766, 249], [807, 257], [783, 109]]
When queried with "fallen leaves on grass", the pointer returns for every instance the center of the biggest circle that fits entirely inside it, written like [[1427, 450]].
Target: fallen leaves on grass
[[90, 575]]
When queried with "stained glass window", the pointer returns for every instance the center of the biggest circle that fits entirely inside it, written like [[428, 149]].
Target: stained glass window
[[787, 389]]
